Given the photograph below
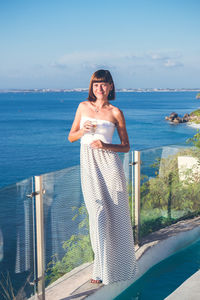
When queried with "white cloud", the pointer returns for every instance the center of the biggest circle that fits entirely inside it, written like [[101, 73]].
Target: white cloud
[[157, 56], [168, 60], [117, 60], [172, 64], [93, 59]]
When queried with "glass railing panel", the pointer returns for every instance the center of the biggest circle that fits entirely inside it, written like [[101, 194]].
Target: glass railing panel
[[186, 186], [170, 190], [16, 241], [127, 160], [67, 242], [66, 225]]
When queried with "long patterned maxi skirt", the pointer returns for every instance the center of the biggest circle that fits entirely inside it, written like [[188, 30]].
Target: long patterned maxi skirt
[[106, 199]]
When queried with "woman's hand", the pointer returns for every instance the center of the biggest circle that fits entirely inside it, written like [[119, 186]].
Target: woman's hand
[[87, 126], [97, 144], [76, 132], [121, 128]]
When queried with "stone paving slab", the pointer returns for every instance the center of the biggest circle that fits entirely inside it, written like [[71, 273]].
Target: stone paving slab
[[189, 290], [71, 286]]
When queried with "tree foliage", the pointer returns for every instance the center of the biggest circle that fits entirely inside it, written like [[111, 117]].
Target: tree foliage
[[195, 140]]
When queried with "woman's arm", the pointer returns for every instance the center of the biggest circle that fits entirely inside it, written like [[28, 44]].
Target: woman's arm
[[76, 133], [121, 128]]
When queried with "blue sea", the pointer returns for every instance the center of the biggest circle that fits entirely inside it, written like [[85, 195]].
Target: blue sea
[[34, 127]]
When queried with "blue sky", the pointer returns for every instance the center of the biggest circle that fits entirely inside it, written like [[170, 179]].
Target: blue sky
[[59, 44]]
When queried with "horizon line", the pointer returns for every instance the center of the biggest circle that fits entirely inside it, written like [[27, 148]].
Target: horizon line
[[4, 90]]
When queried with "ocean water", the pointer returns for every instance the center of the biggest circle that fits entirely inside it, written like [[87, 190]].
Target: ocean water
[[34, 128]]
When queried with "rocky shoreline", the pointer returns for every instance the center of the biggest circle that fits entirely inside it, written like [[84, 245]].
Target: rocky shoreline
[[193, 117]]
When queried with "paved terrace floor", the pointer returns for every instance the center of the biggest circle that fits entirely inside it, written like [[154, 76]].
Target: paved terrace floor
[[189, 290], [76, 285]]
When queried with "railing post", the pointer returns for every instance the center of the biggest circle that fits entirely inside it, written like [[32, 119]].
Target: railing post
[[39, 237], [137, 195]]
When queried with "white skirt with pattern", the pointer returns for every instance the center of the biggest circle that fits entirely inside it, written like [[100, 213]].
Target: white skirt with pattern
[[105, 195]]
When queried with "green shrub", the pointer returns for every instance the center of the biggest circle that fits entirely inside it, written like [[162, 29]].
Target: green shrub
[[195, 140], [77, 250], [195, 113]]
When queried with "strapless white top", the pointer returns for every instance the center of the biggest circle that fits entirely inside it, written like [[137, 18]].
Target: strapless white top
[[104, 131]]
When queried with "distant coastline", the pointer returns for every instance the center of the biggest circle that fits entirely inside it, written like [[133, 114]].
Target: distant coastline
[[125, 90]]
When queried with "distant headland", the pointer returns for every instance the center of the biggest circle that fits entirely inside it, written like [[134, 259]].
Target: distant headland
[[125, 90]]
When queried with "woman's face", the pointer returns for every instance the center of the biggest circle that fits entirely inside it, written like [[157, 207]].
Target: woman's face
[[101, 90]]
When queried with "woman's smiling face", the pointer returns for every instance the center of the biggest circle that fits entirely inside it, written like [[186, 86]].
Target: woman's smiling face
[[101, 89]]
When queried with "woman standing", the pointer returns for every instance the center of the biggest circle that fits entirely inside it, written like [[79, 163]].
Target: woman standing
[[103, 181]]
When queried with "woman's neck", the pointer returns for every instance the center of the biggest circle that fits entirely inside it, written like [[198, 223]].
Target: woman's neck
[[101, 102]]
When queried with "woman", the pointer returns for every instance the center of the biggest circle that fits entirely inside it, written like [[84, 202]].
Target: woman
[[103, 181]]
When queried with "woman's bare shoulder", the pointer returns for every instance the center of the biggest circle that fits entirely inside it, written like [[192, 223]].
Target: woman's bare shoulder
[[117, 114], [116, 111], [83, 105]]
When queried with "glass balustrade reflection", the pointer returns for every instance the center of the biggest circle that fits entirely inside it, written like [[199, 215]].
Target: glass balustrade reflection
[[170, 189], [67, 242], [66, 228], [128, 166], [16, 240]]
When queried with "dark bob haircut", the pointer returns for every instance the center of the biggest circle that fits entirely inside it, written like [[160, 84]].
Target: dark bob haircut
[[101, 76]]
